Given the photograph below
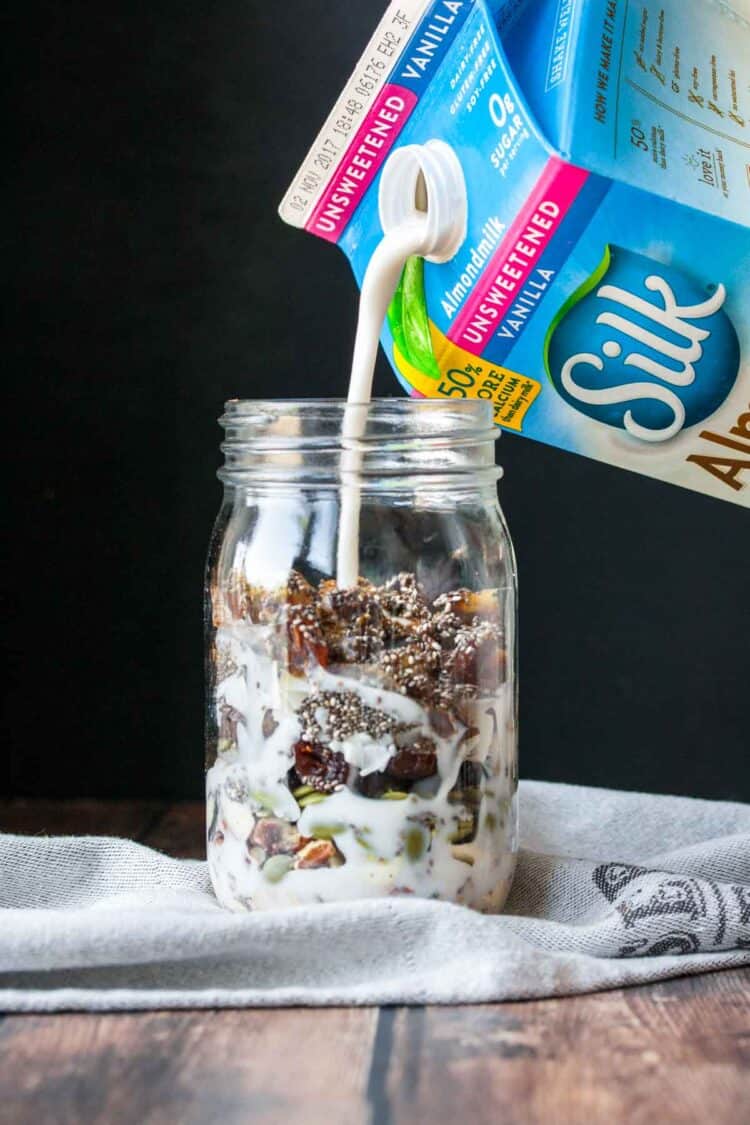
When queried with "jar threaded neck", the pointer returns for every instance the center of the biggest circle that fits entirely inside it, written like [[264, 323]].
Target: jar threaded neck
[[302, 441]]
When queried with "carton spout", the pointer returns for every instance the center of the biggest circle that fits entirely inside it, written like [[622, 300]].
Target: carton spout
[[425, 185]]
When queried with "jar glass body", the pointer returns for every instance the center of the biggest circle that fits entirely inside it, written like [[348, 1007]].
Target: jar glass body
[[361, 741]]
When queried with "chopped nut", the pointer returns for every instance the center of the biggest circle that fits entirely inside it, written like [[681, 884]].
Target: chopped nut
[[269, 724], [229, 720], [319, 853], [225, 664], [275, 837]]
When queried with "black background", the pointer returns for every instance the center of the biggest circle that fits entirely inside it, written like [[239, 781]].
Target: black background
[[150, 279]]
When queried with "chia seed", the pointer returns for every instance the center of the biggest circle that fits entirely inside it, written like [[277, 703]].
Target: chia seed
[[333, 716]]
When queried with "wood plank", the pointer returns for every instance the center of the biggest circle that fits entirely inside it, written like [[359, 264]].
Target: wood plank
[[180, 830], [673, 1052], [79, 818], [297, 1066]]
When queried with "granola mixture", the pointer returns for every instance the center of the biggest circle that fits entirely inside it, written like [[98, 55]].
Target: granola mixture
[[365, 745]]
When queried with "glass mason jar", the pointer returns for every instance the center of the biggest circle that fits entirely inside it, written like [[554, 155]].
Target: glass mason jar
[[361, 739]]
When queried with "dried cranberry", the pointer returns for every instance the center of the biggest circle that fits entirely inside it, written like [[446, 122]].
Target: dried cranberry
[[319, 767]]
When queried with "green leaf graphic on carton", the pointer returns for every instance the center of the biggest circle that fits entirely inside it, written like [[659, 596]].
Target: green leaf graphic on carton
[[581, 292], [409, 321]]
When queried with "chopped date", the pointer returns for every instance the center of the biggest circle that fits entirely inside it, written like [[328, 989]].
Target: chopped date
[[478, 658], [415, 761], [305, 641], [403, 598], [443, 627], [298, 590], [468, 604], [351, 621], [317, 766], [442, 723], [373, 785]]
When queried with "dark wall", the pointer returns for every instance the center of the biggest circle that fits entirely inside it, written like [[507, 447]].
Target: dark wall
[[149, 280]]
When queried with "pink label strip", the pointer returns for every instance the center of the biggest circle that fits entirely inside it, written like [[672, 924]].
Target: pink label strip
[[518, 255], [362, 161]]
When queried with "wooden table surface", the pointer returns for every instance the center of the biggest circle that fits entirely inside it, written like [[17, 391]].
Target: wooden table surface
[[678, 1051]]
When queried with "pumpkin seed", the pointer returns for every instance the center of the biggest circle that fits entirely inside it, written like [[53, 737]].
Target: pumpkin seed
[[414, 843], [265, 800], [464, 831], [276, 867], [327, 831], [313, 798]]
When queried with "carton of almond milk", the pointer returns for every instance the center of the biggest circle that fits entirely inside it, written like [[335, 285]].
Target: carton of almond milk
[[601, 297]]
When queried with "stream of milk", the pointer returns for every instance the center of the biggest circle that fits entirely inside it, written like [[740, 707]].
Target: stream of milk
[[380, 283], [423, 210]]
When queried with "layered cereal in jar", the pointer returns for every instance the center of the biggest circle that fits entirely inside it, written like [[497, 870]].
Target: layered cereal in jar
[[363, 743]]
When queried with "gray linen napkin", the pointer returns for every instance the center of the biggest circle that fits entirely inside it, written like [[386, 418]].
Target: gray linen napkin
[[611, 889]]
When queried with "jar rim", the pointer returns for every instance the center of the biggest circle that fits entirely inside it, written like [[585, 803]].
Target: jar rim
[[383, 401], [280, 422], [305, 439]]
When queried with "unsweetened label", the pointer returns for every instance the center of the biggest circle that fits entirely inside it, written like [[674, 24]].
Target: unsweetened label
[[601, 299]]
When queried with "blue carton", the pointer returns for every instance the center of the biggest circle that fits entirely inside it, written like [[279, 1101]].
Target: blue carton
[[601, 297]]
